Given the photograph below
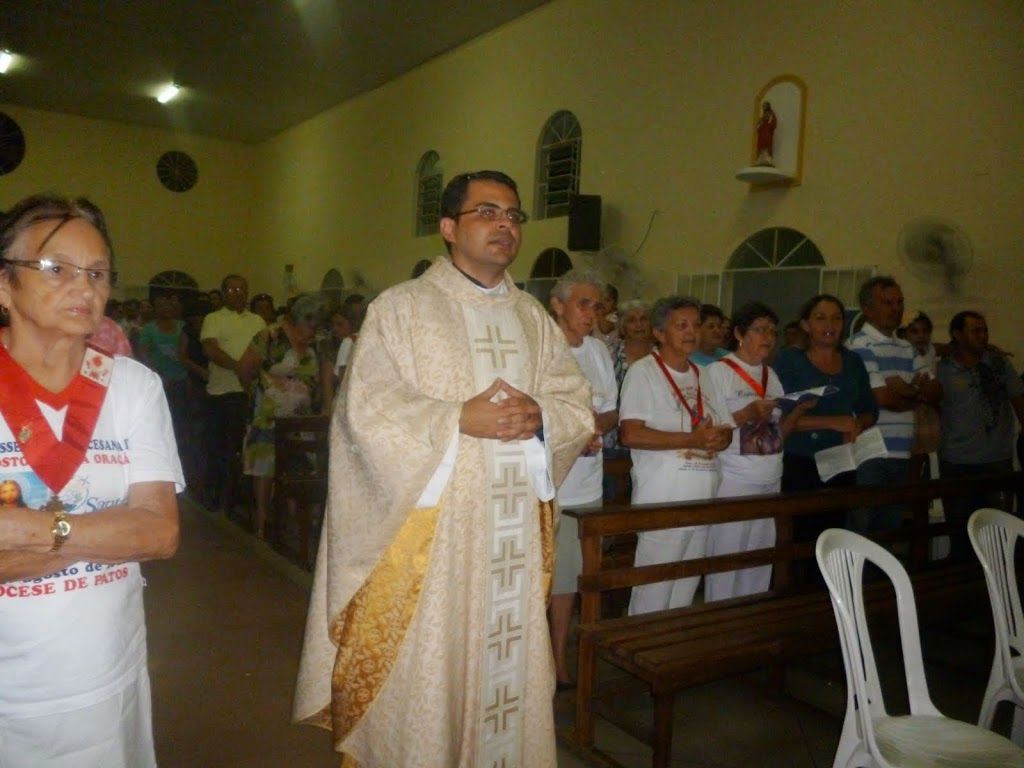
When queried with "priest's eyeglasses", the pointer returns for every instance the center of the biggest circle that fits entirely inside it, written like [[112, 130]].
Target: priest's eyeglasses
[[62, 272], [493, 213]]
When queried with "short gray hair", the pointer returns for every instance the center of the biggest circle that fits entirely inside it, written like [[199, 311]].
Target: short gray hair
[[633, 305], [563, 288], [663, 307], [307, 308]]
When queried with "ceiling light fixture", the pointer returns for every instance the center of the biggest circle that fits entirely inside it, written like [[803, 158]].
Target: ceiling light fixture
[[6, 58], [167, 93]]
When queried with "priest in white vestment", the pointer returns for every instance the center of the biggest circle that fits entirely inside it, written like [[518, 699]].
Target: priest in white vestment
[[461, 411]]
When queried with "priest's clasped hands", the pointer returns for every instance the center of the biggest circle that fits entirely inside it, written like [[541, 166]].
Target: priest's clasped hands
[[500, 412]]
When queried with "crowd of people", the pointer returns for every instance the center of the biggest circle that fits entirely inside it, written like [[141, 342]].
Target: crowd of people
[[465, 413], [230, 365], [711, 406]]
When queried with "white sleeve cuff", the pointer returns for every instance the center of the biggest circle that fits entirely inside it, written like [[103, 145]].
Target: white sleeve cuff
[[439, 480], [538, 465]]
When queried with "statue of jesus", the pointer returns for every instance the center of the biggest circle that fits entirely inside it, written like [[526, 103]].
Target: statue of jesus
[[765, 134]]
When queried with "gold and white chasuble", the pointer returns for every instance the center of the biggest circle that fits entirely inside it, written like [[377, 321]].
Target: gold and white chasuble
[[426, 643]]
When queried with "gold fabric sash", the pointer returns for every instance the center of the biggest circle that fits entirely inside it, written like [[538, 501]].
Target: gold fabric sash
[[546, 512], [370, 631]]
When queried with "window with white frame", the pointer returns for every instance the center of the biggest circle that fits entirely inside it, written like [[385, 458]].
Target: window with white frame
[[777, 266], [428, 193], [558, 164], [705, 287]]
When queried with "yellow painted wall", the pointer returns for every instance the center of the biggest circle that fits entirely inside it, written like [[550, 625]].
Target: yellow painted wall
[[914, 108], [205, 232]]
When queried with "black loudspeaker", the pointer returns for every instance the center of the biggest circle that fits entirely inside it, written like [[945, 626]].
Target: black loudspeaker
[[585, 223]]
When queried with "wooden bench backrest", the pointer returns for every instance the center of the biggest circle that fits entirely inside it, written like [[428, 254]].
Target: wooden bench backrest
[[621, 520]]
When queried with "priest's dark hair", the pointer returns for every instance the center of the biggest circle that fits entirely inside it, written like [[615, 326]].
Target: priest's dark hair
[[47, 207], [454, 195]]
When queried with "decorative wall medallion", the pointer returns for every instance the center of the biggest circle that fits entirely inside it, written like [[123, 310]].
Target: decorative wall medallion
[[12, 144], [177, 171]]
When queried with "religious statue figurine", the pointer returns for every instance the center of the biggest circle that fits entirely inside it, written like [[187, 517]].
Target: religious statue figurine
[[765, 134]]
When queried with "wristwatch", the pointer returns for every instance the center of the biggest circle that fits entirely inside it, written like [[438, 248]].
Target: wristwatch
[[61, 530]]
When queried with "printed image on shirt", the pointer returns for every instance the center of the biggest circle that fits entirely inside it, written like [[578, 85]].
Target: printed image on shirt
[[23, 490], [763, 438]]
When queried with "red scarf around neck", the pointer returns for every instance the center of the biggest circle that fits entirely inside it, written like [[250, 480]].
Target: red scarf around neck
[[54, 461]]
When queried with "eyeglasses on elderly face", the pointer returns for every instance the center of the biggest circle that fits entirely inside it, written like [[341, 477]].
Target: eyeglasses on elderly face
[[61, 272], [493, 213]]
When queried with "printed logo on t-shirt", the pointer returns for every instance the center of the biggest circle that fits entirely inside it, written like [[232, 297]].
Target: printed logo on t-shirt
[[762, 438], [79, 496]]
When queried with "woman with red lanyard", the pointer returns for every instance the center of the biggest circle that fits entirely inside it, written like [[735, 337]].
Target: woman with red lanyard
[[88, 439], [743, 385], [669, 427]]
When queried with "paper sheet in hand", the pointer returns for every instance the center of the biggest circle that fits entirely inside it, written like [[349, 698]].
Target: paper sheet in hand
[[788, 402], [847, 457]]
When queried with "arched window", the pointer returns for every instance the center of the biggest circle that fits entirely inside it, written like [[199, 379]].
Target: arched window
[[428, 193], [778, 266], [550, 265], [181, 283], [558, 164], [776, 248]]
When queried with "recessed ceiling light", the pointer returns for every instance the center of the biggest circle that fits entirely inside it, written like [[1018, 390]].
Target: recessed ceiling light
[[6, 58], [167, 93]]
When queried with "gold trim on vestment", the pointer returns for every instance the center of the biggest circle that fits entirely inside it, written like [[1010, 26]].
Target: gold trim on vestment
[[372, 627], [546, 514]]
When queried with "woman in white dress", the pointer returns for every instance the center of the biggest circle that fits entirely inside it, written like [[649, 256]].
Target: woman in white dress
[[743, 385], [670, 428], [575, 301]]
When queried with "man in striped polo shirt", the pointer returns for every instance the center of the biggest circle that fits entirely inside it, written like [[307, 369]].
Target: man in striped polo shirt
[[899, 382]]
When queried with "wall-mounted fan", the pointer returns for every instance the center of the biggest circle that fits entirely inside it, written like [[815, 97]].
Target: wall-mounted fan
[[936, 250], [618, 267]]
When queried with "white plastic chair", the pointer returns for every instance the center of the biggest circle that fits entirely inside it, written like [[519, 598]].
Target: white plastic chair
[[871, 737], [994, 535]]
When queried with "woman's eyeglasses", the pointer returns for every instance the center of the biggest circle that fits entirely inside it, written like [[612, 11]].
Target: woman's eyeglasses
[[61, 272]]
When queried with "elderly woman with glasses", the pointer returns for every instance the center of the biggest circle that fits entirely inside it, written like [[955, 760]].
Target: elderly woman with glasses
[[282, 361], [743, 385], [88, 440]]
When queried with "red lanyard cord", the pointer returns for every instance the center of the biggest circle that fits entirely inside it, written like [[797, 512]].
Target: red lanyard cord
[[695, 418], [758, 390]]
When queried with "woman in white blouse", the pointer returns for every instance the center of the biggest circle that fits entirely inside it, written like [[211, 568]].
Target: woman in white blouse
[[743, 385]]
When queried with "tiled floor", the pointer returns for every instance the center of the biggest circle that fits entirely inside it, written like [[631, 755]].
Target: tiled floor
[[226, 617]]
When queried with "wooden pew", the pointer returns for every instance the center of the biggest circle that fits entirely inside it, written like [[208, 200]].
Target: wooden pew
[[674, 649], [300, 481]]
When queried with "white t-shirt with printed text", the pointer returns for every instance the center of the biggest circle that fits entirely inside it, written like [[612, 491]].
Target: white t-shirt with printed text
[[583, 484], [729, 393], [74, 638], [667, 475]]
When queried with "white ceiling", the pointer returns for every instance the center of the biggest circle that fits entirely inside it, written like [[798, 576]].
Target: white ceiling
[[249, 68]]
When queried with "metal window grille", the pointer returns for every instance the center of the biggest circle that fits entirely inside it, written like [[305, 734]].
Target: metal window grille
[[428, 194], [558, 164]]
